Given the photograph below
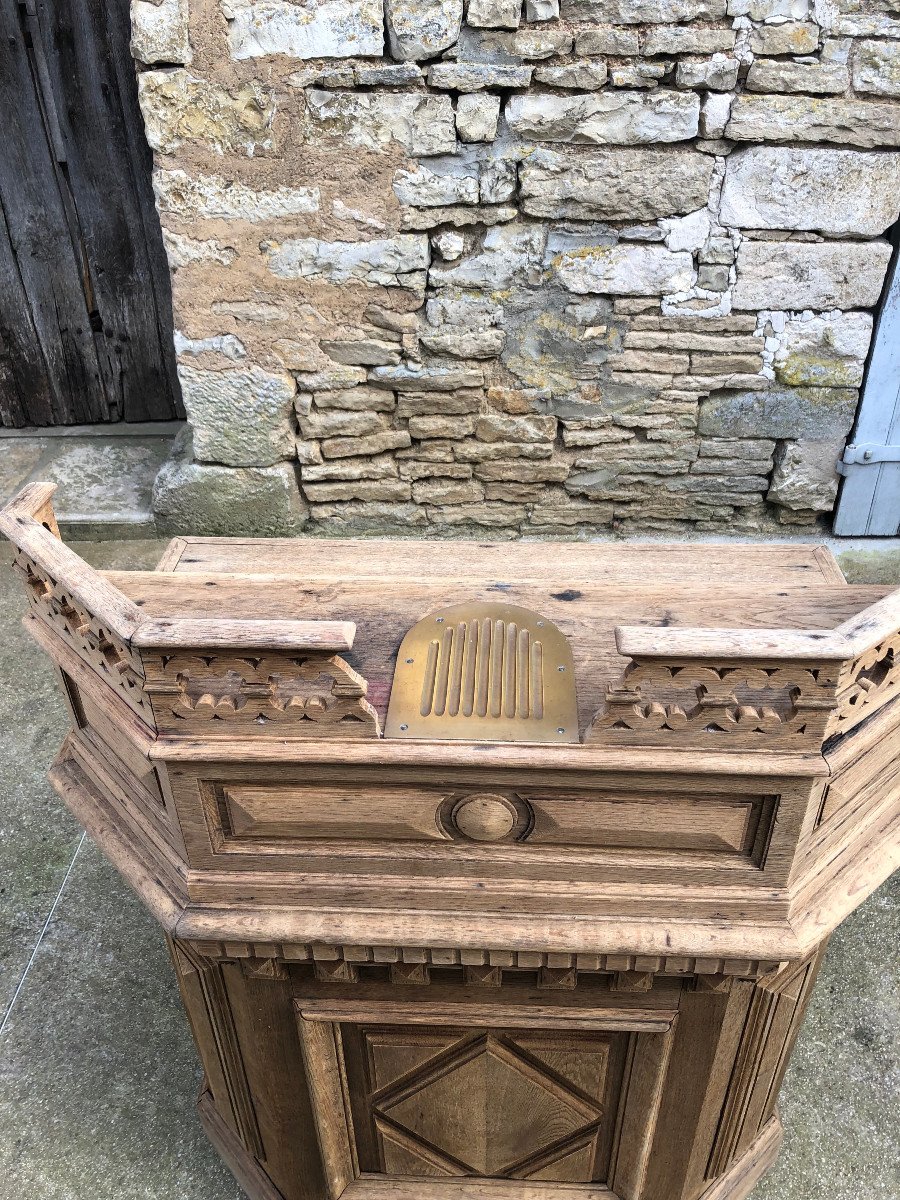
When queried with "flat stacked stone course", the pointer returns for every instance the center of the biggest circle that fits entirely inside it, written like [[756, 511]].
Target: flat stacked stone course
[[552, 266]]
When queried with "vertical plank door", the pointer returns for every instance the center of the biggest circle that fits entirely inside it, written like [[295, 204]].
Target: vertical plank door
[[869, 502], [85, 305]]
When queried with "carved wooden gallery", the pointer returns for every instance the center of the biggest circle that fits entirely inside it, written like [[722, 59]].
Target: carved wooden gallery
[[488, 870]]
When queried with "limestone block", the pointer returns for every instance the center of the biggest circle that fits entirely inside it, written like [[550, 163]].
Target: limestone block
[[358, 399], [331, 379], [805, 475], [640, 73], [446, 491], [834, 191], [866, 24], [239, 417], [652, 360], [626, 270], [422, 125], [368, 516], [554, 514], [541, 10], [480, 452], [159, 32], [876, 67], [472, 77], [641, 12], [608, 40], [497, 180], [779, 413], [716, 278], [214, 501], [530, 43], [718, 250], [477, 118], [490, 514], [774, 75], [381, 466], [444, 404], [458, 216], [452, 427], [385, 262], [425, 188], [688, 39], [755, 450], [511, 254], [612, 117], [772, 10], [449, 245], [718, 73], [474, 343], [306, 29], [715, 114], [416, 378], [337, 423], [522, 471], [388, 318], [360, 489], [182, 250], [225, 344], [578, 76], [494, 14], [211, 196], [793, 37], [373, 443], [463, 309], [386, 74], [817, 275], [361, 351], [325, 74], [823, 349], [689, 232], [420, 29], [180, 107], [497, 427], [866, 123], [308, 453]]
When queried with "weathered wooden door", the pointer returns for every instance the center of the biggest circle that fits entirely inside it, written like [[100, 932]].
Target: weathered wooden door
[[85, 307], [869, 502]]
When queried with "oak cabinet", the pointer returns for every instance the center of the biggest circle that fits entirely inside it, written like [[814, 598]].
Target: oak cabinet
[[540, 914]]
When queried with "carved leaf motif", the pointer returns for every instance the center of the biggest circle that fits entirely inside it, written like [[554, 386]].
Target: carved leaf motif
[[872, 681]]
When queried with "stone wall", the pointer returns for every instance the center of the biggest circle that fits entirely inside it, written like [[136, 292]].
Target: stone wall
[[541, 266]]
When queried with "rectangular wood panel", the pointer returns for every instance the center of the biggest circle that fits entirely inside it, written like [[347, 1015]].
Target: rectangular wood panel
[[620, 562], [501, 1103], [261, 818]]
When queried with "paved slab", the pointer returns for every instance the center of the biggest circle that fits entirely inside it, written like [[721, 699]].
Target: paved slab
[[105, 479]]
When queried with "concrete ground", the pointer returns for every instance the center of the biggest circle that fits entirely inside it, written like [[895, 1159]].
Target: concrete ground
[[97, 1070]]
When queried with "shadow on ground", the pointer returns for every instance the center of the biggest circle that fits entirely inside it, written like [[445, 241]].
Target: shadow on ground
[[97, 1070]]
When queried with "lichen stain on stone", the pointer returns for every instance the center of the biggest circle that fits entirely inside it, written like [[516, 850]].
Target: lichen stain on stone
[[817, 371]]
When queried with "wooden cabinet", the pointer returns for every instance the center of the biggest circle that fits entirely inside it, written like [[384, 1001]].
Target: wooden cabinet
[[545, 939]]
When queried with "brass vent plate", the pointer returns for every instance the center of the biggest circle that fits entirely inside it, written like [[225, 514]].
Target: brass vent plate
[[484, 673]]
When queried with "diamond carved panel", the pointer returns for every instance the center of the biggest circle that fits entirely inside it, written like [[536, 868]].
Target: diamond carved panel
[[502, 1104]]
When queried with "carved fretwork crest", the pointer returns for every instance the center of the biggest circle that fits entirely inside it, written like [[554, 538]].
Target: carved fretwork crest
[[871, 681], [107, 655], [298, 695], [655, 703]]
